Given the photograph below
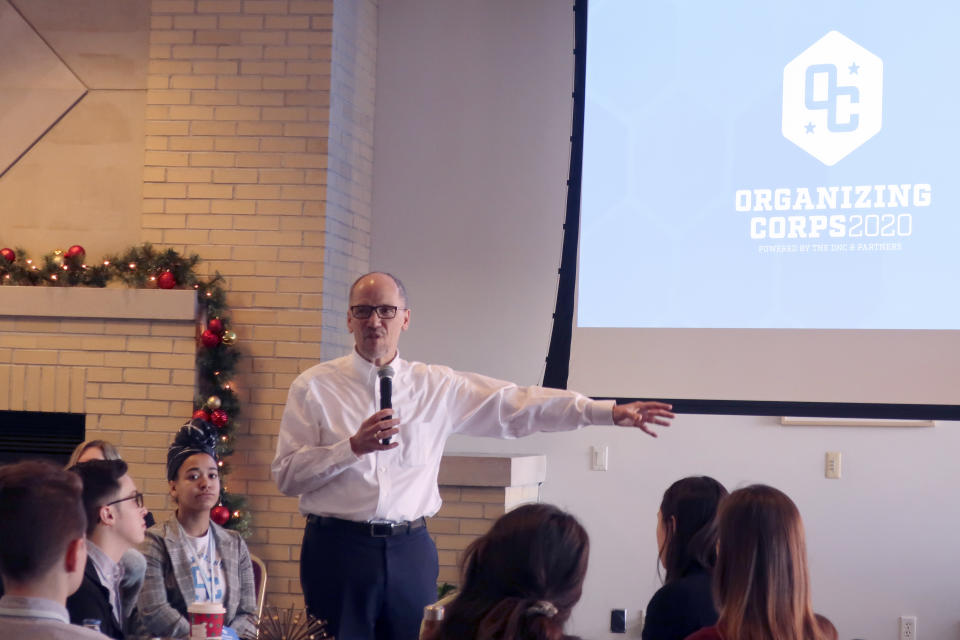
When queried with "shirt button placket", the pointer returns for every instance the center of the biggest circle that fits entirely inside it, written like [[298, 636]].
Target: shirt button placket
[[383, 480]]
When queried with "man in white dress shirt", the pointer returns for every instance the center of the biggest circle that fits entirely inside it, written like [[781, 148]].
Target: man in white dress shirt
[[367, 478], [42, 551]]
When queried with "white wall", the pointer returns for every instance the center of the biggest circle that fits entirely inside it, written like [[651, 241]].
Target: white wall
[[471, 156]]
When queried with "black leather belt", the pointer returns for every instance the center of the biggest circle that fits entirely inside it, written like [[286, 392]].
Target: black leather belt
[[370, 529]]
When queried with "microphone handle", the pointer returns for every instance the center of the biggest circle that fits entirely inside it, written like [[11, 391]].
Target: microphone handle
[[386, 390]]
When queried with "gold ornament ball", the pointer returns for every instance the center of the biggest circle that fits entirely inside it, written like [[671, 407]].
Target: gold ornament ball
[[213, 402], [58, 257], [229, 337]]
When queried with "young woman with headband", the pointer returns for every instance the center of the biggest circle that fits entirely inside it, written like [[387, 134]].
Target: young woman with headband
[[189, 557]]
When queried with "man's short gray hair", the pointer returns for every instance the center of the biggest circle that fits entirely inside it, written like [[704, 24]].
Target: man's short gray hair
[[402, 289]]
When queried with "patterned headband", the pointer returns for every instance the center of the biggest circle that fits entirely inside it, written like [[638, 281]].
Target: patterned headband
[[196, 436]]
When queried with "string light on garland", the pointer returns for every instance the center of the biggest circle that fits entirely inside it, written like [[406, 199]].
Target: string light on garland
[[146, 267]]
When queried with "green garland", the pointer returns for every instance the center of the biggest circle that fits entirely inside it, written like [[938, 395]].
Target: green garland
[[144, 267]]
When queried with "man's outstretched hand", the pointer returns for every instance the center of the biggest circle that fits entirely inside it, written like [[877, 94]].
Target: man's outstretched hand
[[642, 414]]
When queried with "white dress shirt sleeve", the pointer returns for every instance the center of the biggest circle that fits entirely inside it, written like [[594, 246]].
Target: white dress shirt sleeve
[[301, 465], [500, 409]]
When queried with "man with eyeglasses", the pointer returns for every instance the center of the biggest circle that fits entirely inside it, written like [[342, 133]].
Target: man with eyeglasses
[[367, 478], [115, 524]]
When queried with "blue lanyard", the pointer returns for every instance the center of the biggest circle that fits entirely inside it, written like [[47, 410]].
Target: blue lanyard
[[207, 579]]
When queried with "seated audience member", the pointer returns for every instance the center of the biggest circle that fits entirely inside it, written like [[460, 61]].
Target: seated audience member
[[42, 551], [133, 563], [521, 579], [761, 583], [93, 450], [189, 557], [115, 525], [687, 544]]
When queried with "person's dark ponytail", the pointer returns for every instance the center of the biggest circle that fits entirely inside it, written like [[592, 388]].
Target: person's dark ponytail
[[521, 579]]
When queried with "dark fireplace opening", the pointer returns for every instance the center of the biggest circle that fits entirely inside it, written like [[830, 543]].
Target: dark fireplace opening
[[39, 434]]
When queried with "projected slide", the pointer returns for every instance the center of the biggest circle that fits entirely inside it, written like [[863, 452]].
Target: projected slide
[[771, 165]]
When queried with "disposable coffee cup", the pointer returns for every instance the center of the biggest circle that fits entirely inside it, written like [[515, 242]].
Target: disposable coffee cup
[[206, 620]]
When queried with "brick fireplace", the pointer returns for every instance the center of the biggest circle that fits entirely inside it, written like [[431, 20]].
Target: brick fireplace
[[122, 357]]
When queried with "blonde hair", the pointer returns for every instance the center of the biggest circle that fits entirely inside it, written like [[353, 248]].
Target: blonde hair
[[761, 582], [109, 451]]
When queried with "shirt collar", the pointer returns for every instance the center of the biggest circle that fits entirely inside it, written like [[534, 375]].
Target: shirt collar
[[107, 569], [34, 608], [366, 370]]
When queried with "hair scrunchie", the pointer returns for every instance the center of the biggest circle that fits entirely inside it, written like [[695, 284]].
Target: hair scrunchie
[[196, 436], [542, 608]]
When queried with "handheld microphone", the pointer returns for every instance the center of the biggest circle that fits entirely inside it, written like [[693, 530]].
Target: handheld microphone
[[385, 373]]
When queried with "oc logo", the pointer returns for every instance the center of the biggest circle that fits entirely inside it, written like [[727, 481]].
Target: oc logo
[[832, 98]]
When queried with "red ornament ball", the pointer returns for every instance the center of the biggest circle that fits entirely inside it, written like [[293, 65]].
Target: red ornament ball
[[216, 325], [166, 280], [200, 414], [75, 251], [8, 254], [209, 339], [219, 418], [220, 514]]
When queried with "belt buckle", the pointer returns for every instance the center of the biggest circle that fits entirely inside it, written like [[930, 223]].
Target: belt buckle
[[381, 529]]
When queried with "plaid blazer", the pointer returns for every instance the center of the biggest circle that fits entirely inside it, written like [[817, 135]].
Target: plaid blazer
[[168, 584]]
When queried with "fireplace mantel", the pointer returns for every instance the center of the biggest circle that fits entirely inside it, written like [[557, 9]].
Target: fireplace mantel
[[93, 302]]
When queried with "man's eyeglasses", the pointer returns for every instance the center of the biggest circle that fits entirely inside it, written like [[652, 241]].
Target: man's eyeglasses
[[137, 496], [384, 311]]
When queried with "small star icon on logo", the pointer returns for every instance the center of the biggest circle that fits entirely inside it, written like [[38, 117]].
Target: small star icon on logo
[[853, 68], [810, 127]]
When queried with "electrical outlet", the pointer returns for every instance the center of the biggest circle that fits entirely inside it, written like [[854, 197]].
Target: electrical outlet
[[832, 465], [908, 628], [618, 621]]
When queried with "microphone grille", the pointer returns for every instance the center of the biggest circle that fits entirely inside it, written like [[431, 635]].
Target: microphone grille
[[386, 371]]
